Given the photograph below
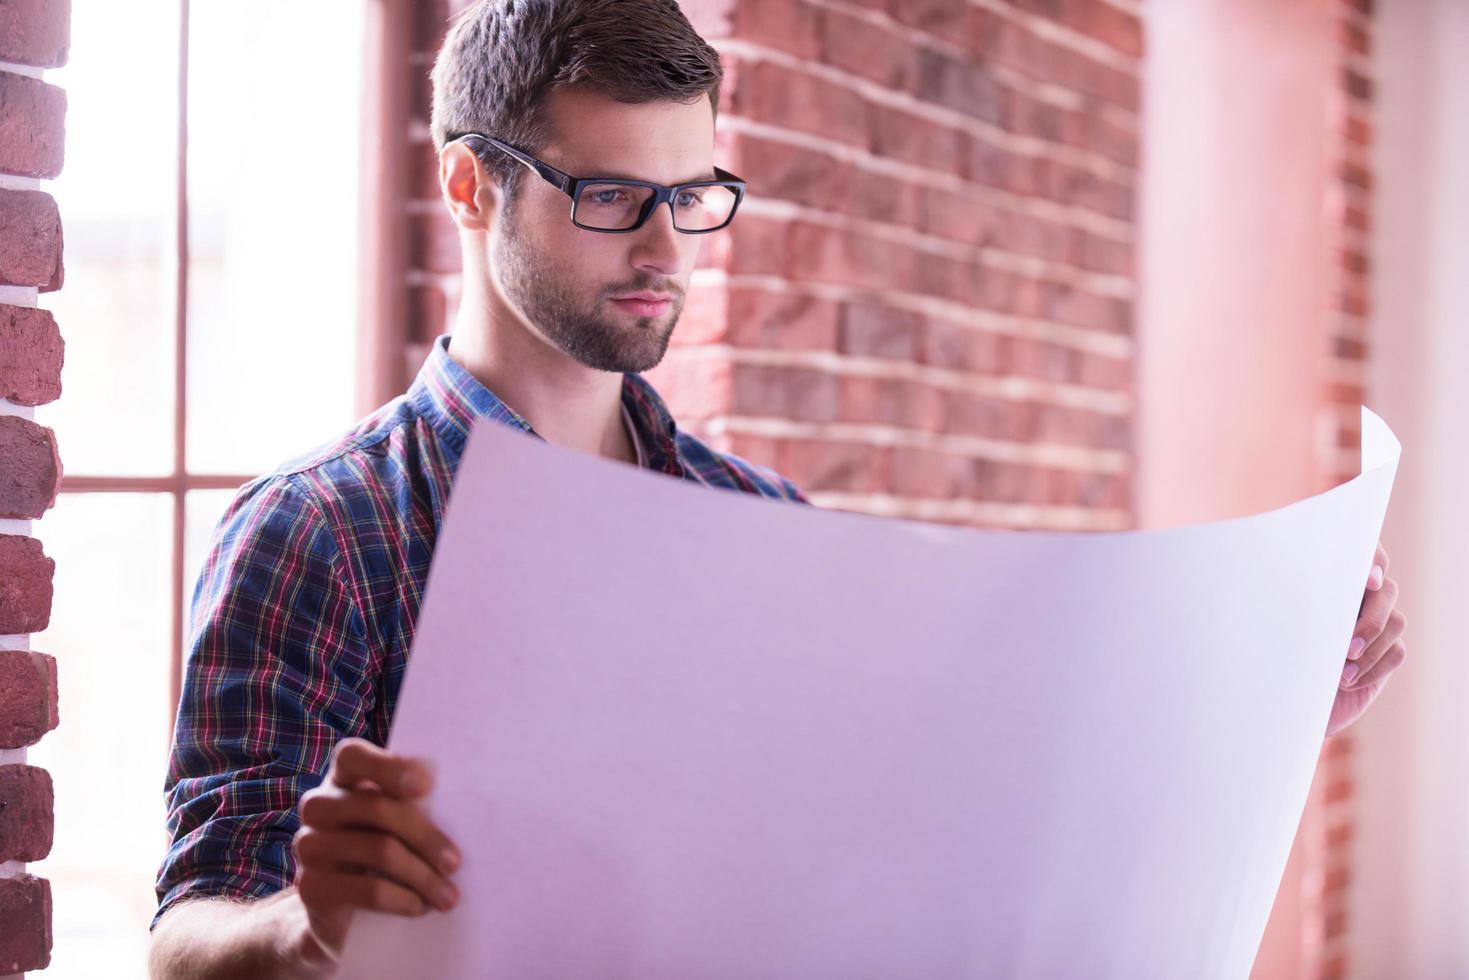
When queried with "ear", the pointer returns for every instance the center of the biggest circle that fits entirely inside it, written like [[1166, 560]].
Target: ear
[[471, 194]]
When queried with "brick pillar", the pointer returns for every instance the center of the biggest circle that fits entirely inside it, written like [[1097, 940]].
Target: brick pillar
[[1328, 827], [34, 34]]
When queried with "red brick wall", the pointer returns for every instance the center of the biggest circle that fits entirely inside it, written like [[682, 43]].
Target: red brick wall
[[34, 34], [925, 306]]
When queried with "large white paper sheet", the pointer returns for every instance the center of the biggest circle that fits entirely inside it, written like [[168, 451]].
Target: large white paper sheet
[[688, 733]]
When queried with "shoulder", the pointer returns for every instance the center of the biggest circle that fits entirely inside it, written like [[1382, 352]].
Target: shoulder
[[715, 468], [344, 494]]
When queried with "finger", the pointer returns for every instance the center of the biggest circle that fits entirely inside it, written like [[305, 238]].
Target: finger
[[375, 811], [1373, 618], [1392, 659], [1379, 569], [355, 760], [355, 851], [1396, 624], [321, 888]]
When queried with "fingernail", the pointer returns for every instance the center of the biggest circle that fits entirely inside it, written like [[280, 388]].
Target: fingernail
[[447, 897], [449, 860], [1374, 581], [1355, 650], [1349, 674]]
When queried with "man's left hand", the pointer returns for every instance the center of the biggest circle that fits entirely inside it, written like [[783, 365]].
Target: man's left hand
[[1376, 648]]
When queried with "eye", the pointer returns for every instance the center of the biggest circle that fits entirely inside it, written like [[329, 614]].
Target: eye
[[688, 199], [612, 196]]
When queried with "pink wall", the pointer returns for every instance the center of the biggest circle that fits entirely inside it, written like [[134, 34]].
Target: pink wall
[[1232, 311], [1411, 898]]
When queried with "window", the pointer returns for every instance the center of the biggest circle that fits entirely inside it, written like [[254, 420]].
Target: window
[[251, 275]]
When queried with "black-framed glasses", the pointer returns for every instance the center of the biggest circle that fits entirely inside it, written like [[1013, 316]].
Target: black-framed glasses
[[618, 206]]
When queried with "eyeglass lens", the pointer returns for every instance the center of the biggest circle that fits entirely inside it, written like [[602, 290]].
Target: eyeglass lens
[[613, 206]]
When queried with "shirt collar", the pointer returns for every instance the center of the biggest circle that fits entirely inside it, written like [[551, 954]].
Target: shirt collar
[[452, 400]]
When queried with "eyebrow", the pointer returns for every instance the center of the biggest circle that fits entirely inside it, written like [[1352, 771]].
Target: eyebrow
[[615, 175]]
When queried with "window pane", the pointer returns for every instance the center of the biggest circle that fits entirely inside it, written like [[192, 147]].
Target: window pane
[[109, 634], [116, 195], [273, 199]]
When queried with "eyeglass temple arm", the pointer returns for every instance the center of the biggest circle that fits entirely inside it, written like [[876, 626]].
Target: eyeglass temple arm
[[550, 174]]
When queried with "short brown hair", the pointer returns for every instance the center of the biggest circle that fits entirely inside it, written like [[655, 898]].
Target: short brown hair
[[502, 58]]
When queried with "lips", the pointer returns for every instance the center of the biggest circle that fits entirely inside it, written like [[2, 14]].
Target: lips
[[644, 304]]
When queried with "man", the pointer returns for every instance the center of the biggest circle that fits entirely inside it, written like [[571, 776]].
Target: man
[[286, 816]]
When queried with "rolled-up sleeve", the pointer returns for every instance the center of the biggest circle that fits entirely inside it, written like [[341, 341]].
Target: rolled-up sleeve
[[277, 672]]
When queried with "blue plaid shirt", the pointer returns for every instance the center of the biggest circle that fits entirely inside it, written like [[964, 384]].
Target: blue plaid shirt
[[304, 613]]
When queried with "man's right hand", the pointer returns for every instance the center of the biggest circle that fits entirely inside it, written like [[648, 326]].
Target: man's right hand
[[364, 843]]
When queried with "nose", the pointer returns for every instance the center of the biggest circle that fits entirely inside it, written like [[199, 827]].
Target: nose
[[659, 246]]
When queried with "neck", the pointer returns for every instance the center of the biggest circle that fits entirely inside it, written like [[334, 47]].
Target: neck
[[567, 403]]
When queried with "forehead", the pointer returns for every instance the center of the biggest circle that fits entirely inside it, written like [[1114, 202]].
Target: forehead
[[662, 141]]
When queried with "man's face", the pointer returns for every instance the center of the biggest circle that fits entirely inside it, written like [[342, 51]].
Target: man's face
[[566, 280]]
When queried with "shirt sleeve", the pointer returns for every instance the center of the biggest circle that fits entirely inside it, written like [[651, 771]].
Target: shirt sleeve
[[277, 671]]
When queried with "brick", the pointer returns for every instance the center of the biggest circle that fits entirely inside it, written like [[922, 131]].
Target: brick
[[25, 585], [956, 347], [431, 22], [822, 254], [428, 311], [782, 321], [985, 163], [32, 468], [695, 387], [1077, 307], [778, 96], [1097, 254], [32, 126], [26, 803], [792, 26], [1111, 141], [868, 330], [903, 136], [25, 908], [960, 85], [31, 354], [892, 401], [794, 173], [1097, 19], [28, 702], [710, 18], [941, 18], [796, 393], [1355, 38], [819, 464], [1100, 371], [435, 243], [963, 218], [423, 166], [35, 32], [30, 240], [881, 197], [704, 318], [969, 414], [1037, 237], [756, 245], [1111, 25], [1034, 118], [929, 473], [1357, 85], [875, 53]]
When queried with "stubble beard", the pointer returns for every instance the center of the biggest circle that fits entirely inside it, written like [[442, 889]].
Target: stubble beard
[[578, 327]]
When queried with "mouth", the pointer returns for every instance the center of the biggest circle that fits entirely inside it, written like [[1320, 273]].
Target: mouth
[[643, 304]]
